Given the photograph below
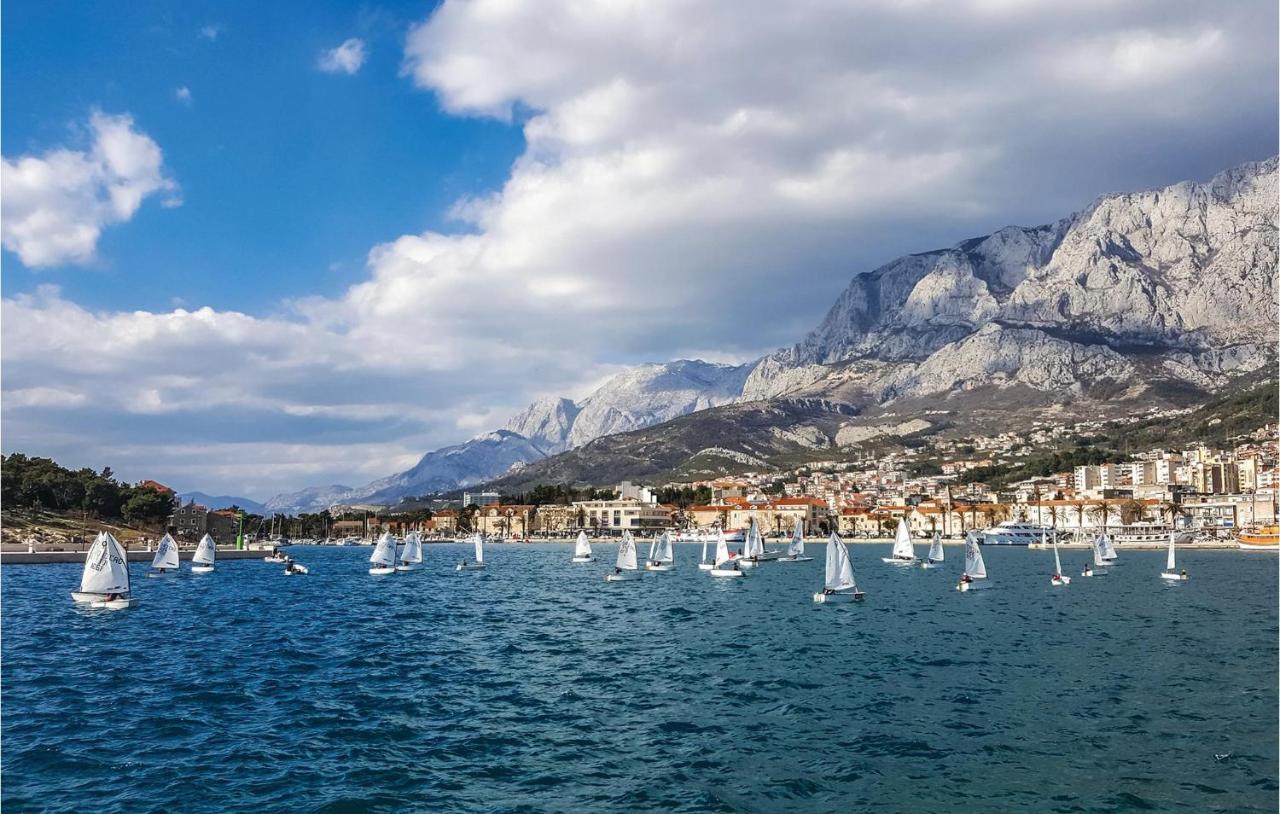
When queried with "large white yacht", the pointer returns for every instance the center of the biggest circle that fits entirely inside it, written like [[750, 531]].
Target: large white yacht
[[1017, 532]]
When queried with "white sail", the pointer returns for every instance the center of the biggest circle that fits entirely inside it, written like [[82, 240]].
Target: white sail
[[1098, 559], [1170, 563], [478, 539], [1108, 550], [665, 554], [1057, 561], [106, 568], [796, 549], [205, 551], [583, 547], [902, 548], [412, 548], [653, 549], [166, 553], [755, 543], [384, 552], [973, 564], [839, 568], [627, 553], [705, 541], [722, 549], [935, 548]]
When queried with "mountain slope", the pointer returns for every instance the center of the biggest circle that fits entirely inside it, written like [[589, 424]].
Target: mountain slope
[[224, 502]]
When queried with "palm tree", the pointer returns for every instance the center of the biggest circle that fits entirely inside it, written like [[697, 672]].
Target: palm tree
[[1132, 511], [1102, 512], [1079, 506], [1171, 509], [1053, 516]]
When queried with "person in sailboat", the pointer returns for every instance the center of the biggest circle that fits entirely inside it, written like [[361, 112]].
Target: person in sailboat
[[1088, 570]]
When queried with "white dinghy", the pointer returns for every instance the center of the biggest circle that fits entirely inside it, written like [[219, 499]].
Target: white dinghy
[[1171, 571], [1098, 567], [1058, 579], [936, 556], [839, 584], [411, 556], [582, 549], [724, 566], [166, 560], [626, 568], [705, 564], [105, 581], [477, 564], [293, 568], [661, 557], [752, 547], [795, 551], [903, 552], [383, 556], [975, 570], [206, 552]]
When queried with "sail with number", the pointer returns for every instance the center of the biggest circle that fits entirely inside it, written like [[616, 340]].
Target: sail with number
[[722, 549], [935, 548], [973, 564], [627, 553], [106, 567], [412, 553], [478, 539], [1108, 550], [583, 546], [839, 567], [205, 551], [1170, 563], [796, 549], [166, 553], [902, 548], [384, 552]]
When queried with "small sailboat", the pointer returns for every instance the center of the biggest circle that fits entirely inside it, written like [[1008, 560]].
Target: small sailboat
[[383, 556], [1171, 571], [1109, 553], [105, 581], [661, 557], [704, 564], [975, 570], [276, 557], [582, 549], [411, 556], [206, 552], [1098, 568], [1058, 579], [626, 568], [166, 560], [936, 556], [752, 547], [903, 552], [477, 564], [293, 568], [795, 551], [724, 566], [839, 583]]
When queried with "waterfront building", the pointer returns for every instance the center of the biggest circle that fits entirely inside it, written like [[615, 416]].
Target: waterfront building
[[480, 499], [189, 522], [623, 514], [499, 520]]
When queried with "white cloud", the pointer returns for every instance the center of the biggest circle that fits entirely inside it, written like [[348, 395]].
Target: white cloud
[[693, 179], [212, 31], [346, 58], [183, 95], [55, 205]]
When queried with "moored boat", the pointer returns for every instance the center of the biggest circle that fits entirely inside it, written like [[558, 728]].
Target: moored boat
[[1259, 538]]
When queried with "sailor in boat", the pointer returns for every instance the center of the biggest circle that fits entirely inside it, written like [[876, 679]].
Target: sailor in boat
[[1088, 570], [1184, 573], [966, 578], [617, 570]]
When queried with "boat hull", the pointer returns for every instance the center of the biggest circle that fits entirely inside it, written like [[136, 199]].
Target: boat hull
[[1257, 546], [976, 585], [274, 560], [471, 566], [930, 564], [897, 561], [115, 604], [661, 569], [794, 559], [299, 570], [625, 576], [85, 598], [583, 559], [705, 566], [381, 570], [743, 563], [161, 574], [411, 566], [202, 569], [841, 596], [1059, 581], [1173, 576], [725, 572]]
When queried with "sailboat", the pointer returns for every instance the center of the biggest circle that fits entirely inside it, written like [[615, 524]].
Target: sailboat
[[903, 552], [411, 556], [975, 570], [935, 553], [582, 549], [383, 556], [1098, 567], [839, 582], [724, 566], [1171, 571], [105, 581], [202, 560], [477, 540], [752, 548], [1058, 579], [661, 557], [166, 559], [704, 564], [1108, 550], [626, 567], [795, 551]]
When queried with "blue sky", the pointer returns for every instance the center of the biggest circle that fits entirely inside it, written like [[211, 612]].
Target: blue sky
[[252, 247], [288, 174]]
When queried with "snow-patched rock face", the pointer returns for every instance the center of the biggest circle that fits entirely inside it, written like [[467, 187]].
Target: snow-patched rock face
[[546, 423], [1188, 270]]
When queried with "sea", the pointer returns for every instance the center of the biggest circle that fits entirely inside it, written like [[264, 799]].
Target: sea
[[534, 686]]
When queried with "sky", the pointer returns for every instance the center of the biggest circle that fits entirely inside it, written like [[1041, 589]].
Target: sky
[[249, 248]]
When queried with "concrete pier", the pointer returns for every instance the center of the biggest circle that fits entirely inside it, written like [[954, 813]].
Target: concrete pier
[[141, 555]]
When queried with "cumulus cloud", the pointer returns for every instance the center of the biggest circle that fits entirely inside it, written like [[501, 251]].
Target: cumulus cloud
[[346, 58], [693, 179], [212, 31], [183, 95], [55, 205]]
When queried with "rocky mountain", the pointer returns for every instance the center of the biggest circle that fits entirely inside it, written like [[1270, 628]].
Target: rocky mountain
[[224, 502], [311, 499]]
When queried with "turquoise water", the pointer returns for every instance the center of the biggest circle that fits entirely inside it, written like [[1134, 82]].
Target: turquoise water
[[535, 686]]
